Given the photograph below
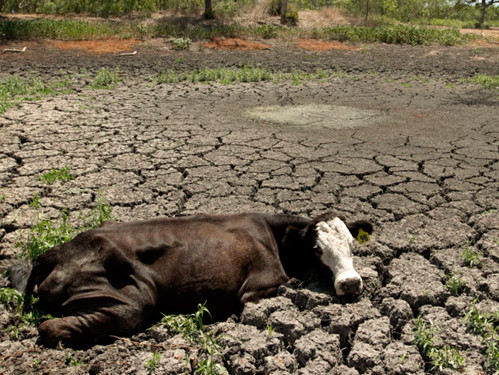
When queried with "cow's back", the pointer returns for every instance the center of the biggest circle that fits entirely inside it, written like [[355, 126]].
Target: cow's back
[[222, 259]]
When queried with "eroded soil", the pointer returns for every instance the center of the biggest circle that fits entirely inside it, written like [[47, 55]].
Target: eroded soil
[[395, 136]]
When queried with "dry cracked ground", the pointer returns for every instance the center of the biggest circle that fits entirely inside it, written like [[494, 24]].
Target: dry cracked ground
[[398, 137]]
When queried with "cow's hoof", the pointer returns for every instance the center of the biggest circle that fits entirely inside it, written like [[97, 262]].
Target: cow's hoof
[[348, 283]]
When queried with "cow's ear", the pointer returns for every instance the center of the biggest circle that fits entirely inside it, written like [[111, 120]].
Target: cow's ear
[[357, 226]]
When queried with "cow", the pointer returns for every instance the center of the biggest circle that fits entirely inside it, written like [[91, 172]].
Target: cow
[[116, 278]]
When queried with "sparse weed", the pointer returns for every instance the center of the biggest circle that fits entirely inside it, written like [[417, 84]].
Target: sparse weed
[[267, 31], [270, 329], [471, 257], [11, 297], [181, 43], [56, 174], [106, 78], [192, 328], [454, 284], [234, 75], [486, 81], [71, 360], [14, 90], [153, 363], [485, 325], [439, 357], [35, 201], [47, 233]]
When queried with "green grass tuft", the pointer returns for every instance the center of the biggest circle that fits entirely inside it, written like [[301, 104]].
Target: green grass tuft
[[193, 329], [235, 75], [487, 326], [471, 257], [57, 174], [438, 357], [47, 233], [106, 78], [153, 363], [486, 81], [454, 284]]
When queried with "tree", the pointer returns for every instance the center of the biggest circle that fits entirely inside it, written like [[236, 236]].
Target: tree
[[484, 4], [208, 10], [284, 11]]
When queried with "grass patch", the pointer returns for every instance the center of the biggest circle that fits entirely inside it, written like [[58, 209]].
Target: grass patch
[[181, 43], [471, 257], [47, 233], [236, 75], [454, 284], [153, 363], [65, 29], [487, 326], [14, 90], [78, 29], [62, 174], [395, 34], [193, 329], [439, 358], [488, 82], [106, 79]]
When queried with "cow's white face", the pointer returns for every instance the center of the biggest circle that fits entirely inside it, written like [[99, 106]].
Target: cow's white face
[[335, 243]]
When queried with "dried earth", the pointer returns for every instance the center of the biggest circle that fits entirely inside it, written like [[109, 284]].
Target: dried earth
[[395, 136]]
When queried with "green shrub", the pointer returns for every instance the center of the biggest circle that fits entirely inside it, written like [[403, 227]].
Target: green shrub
[[267, 31], [181, 43], [396, 34]]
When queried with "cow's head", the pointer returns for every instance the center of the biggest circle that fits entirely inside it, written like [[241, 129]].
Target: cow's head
[[334, 241]]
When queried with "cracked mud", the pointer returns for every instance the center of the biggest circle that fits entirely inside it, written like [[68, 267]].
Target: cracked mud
[[420, 158]]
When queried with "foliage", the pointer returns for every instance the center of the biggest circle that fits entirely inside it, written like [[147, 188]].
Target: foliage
[[454, 284], [47, 233], [233, 75], [61, 29], [181, 43], [386, 32], [396, 34], [267, 31], [153, 363], [11, 297], [55, 174], [13, 90], [106, 78], [488, 82], [485, 325], [193, 329], [471, 257], [222, 75], [439, 357]]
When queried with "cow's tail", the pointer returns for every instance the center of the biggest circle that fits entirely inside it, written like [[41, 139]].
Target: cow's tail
[[19, 273]]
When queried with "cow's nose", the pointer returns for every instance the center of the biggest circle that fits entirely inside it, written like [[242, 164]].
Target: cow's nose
[[348, 283]]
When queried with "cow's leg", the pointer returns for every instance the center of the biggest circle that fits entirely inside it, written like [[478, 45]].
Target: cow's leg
[[336, 242], [86, 327]]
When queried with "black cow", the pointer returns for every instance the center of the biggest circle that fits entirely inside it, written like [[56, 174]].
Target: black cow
[[114, 279]]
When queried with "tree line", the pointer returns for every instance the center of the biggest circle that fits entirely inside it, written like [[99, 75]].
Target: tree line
[[473, 11]]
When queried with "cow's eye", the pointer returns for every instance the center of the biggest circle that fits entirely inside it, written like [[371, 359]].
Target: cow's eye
[[318, 250]]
